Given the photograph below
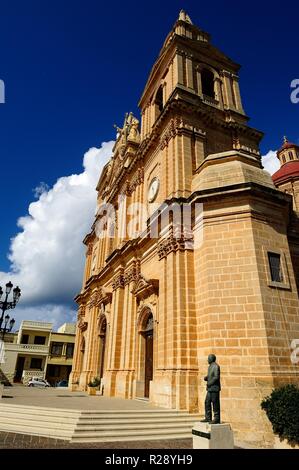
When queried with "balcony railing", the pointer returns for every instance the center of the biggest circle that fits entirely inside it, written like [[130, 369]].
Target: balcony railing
[[27, 348], [211, 101], [35, 325], [29, 374]]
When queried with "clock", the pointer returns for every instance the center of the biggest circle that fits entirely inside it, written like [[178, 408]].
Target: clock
[[153, 189]]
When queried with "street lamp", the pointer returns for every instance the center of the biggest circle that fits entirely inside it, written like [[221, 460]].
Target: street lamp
[[6, 305]]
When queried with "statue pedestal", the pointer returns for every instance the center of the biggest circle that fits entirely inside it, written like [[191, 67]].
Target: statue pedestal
[[212, 436]]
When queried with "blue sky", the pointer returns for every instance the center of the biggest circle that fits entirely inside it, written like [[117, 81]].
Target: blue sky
[[73, 68]]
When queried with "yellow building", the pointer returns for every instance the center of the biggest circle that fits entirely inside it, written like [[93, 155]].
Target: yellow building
[[189, 255], [60, 355], [37, 351]]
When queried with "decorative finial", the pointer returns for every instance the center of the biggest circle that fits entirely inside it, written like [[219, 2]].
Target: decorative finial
[[183, 16], [285, 139]]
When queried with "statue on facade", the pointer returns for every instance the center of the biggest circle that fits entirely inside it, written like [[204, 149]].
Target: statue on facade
[[213, 392], [129, 131]]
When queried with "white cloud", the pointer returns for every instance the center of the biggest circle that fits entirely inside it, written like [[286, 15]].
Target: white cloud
[[271, 162], [56, 314], [47, 255], [40, 189]]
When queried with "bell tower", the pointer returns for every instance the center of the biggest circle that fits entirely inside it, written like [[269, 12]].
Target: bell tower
[[193, 92]]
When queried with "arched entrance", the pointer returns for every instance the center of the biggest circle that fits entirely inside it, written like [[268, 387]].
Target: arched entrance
[[102, 335], [149, 337], [147, 333]]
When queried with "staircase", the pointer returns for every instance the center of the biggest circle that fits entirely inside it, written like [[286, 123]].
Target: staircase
[[3, 379], [97, 426]]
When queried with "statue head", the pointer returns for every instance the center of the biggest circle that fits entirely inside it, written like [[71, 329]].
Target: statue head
[[211, 358]]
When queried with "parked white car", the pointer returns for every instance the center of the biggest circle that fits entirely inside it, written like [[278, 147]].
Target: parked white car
[[37, 382]]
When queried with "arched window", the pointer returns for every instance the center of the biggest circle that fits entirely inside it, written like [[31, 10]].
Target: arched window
[[159, 101], [283, 159], [291, 156], [207, 83]]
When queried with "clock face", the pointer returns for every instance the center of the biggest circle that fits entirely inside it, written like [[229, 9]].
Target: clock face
[[153, 189]]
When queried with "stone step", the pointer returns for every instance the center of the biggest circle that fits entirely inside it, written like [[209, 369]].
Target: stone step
[[117, 422], [34, 423], [35, 431], [107, 414], [38, 410], [51, 421], [95, 411], [133, 426], [97, 425], [37, 418], [134, 435]]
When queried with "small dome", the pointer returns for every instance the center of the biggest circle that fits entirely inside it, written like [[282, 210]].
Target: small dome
[[287, 145], [288, 171]]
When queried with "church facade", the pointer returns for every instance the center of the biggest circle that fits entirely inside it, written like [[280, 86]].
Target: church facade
[[193, 250]]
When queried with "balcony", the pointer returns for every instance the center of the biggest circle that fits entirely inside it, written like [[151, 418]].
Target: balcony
[[36, 325], [210, 101], [27, 348]]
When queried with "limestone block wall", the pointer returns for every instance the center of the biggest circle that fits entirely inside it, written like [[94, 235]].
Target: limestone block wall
[[240, 317]]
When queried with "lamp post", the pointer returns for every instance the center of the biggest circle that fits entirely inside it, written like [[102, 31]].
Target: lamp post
[[6, 324]]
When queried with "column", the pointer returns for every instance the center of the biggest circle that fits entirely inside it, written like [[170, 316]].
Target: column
[[236, 90], [189, 73], [228, 91]]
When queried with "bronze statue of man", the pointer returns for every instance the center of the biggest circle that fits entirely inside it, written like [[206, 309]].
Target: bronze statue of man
[[213, 392]]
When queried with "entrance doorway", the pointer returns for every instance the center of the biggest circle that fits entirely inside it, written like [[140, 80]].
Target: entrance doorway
[[148, 334], [103, 328], [19, 369]]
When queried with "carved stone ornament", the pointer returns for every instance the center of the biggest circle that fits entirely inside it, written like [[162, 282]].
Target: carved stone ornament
[[132, 274], [170, 132], [89, 249], [118, 281], [144, 288], [82, 325], [99, 297], [128, 133], [172, 244]]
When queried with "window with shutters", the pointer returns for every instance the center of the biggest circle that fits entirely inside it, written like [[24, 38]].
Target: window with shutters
[[275, 267]]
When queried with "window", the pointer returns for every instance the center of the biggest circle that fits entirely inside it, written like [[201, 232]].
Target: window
[[56, 349], [283, 159], [159, 101], [36, 363], [24, 339], [275, 267], [39, 340], [207, 83], [291, 155], [69, 350]]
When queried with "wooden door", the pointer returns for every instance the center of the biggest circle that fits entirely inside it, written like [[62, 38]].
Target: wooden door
[[19, 369], [148, 362]]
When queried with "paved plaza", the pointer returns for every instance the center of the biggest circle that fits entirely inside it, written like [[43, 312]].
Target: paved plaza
[[24, 441], [62, 398], [59, 397]]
